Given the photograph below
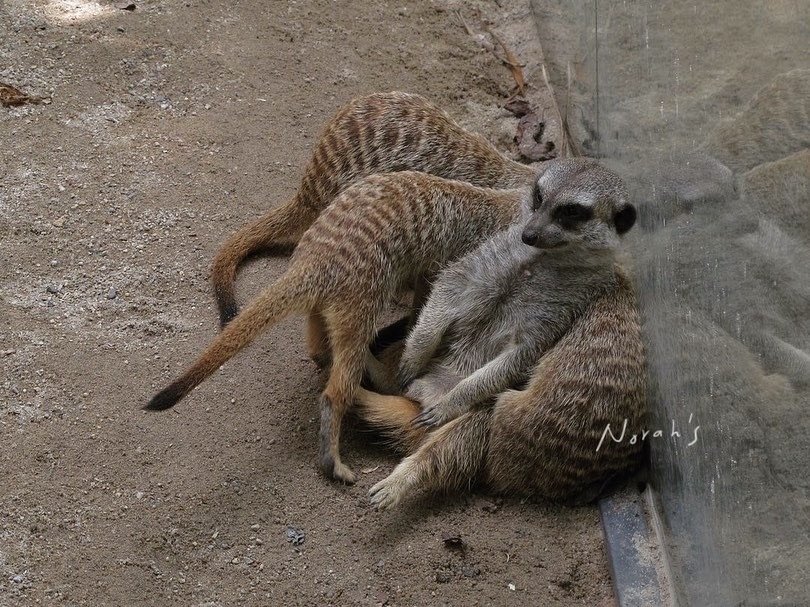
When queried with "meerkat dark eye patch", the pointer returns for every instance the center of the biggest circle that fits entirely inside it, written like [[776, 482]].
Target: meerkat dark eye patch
[[624, 219], [537, 197], [569, 215]]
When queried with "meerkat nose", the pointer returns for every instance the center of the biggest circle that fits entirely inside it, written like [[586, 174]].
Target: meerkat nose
[[529, 237]]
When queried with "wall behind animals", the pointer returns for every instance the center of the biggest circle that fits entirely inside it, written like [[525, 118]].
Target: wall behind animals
[[705, 109]]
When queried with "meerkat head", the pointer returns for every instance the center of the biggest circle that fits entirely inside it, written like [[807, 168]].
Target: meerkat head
[[578, 203]]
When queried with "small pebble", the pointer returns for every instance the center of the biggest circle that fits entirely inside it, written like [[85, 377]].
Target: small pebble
[[470, 571], [442, 577], [17, 579], [112, 294], [53, 290], [295, 536]]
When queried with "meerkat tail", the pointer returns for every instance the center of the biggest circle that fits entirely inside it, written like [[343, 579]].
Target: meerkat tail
[[286, 295], [281, 226], [393, 416]]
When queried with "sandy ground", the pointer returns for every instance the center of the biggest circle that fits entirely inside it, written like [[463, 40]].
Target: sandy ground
[[170, 126]]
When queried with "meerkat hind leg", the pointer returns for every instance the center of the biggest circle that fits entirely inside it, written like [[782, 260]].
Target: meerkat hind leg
[[318, 339], [450, 458], [349, 339]]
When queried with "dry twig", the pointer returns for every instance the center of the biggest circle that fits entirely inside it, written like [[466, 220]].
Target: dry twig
[[511, 61], [568, 146]]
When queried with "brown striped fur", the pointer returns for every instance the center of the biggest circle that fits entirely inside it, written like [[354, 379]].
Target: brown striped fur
[[379, 133], [540, 441], [375, 240]]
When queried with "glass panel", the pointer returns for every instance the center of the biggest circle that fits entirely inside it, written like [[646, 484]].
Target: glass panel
[[705, 108]]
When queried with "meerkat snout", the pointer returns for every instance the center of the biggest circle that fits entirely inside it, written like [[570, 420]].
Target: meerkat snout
[[542, 236]]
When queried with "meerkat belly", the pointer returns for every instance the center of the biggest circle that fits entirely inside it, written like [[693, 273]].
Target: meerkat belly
[[500, 309], [528, 306]]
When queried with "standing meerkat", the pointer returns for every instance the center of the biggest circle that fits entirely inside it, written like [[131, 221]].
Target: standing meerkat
[[547, 440], [379, 133], [373, 241]]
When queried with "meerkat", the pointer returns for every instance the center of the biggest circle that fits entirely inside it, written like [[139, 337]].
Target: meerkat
[[377, 237], [374, 240], [495, 311], [549, 440], [379, 133]]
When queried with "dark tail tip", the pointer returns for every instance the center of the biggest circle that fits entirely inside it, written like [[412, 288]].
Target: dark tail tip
[[226, 302], [227, 312], [166, 398]]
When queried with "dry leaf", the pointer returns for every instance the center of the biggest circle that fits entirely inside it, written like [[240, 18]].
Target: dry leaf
[[11, 96], [452, 541], [518, 107]]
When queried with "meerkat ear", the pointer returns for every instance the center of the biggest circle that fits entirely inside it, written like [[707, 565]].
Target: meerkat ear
[[624, 218]]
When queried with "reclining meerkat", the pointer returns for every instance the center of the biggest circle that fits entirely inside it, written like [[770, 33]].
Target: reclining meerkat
[[379, 133], [547, 440], [374, 240], [495, 312]]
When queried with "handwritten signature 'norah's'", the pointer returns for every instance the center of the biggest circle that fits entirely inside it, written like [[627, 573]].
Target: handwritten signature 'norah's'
[[644, 434]]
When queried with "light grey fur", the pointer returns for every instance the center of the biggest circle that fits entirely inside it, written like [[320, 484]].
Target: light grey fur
[[493, 313]]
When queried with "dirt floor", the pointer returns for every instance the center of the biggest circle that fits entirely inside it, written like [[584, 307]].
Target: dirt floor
[[169, 126]]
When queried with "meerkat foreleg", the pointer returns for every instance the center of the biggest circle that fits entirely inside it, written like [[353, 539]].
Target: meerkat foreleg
[[450, 458], [503, 372], [421, 294], [435, 319], [379, 376]]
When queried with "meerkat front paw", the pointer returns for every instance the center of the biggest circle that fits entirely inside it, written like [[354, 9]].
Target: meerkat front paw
[[437, 414]]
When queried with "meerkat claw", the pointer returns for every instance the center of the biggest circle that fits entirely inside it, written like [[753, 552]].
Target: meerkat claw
[[382, 496], [426, 419]]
